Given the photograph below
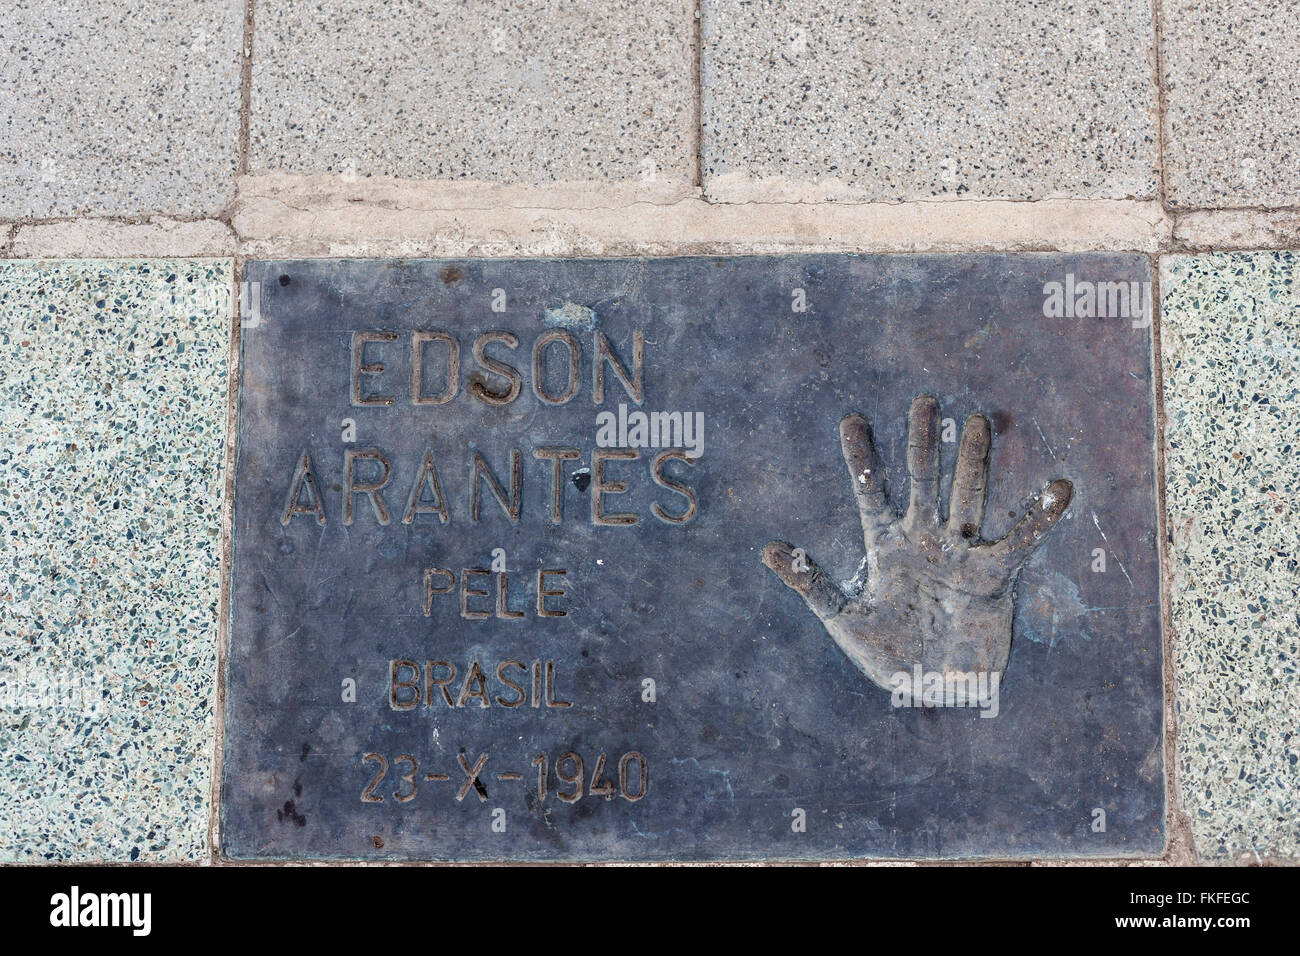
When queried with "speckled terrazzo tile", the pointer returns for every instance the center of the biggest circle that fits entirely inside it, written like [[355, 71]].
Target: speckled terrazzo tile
[[1231, 342], [112, 428], [1232, 131], [119, 109], [509, 92], [911, 99]]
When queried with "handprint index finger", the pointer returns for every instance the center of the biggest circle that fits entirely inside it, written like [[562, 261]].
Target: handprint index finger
[[801, 574], [866, 475]]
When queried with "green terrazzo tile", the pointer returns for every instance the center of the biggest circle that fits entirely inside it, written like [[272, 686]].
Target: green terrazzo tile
[[1231, 337], [112, 435]]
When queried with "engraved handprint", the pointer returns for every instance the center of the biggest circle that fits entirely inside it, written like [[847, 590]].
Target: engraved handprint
[[935, 594]]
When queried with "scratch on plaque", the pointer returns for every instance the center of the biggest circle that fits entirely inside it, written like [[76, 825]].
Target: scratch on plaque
[[724, 774], [1123, 570], [1050, 450], [287, 637], [652, 835]]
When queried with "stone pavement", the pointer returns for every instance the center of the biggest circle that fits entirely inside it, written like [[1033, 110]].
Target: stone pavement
[[150, 158]]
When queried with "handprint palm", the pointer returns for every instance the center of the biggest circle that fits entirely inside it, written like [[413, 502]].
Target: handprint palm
[[936, 594]]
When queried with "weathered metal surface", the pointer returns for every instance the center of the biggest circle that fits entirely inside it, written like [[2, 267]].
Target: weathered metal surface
[[706, 712]]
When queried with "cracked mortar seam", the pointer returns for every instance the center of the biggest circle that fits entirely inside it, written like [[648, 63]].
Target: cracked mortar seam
[[225, 564], [315, 218]]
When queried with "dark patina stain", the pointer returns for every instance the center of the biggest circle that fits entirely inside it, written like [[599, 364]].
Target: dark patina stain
[[290, 812]]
